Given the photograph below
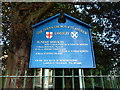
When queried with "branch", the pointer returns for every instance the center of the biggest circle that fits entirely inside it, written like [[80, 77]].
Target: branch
[[38, 13], [16, 12]]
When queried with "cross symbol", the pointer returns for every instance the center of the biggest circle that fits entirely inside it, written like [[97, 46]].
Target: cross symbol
[[49, 35], [74, 35]]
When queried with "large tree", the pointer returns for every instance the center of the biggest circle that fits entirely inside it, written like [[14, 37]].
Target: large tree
[[23, 15]]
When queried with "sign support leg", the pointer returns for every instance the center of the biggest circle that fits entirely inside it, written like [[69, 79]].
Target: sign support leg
[[46, 79], [40, 73], [83, 79], [80, 79], [50, 78]]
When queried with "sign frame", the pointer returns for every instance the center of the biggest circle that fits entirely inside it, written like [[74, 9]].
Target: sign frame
[[69, 18]]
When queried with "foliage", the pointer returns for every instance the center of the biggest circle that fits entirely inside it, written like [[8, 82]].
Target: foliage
[[104, 17], [6, 28]]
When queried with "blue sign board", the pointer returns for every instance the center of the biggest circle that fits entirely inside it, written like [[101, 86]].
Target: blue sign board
[[61, 45]]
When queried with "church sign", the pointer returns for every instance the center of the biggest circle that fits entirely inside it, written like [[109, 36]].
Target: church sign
[[62, 45]]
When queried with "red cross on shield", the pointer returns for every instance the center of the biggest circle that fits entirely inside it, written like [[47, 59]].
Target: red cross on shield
[[49, 35]]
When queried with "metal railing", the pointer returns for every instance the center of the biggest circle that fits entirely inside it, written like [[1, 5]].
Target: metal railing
[[74, 79]]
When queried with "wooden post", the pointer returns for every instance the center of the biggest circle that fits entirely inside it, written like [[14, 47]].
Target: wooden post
[[50, 78], [39, 79], [40, 73], [80, 79], [46, 79]]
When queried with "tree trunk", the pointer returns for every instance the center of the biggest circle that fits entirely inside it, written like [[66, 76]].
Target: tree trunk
[[19, 54], [20, 43]]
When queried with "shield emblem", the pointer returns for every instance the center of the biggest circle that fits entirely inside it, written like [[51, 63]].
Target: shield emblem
[[74, 35], [49, 35]]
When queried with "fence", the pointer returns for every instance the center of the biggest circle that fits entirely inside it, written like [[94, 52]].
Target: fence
[[67, 78]]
